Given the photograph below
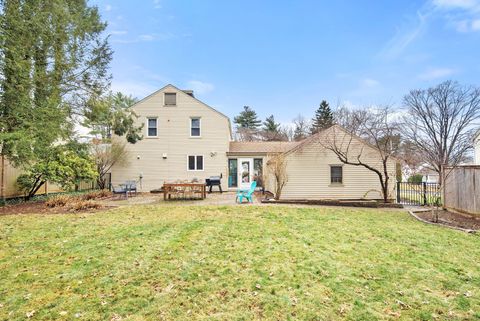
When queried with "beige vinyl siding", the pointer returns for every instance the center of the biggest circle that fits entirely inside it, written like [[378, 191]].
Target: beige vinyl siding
[[308, 171], [174, 140]]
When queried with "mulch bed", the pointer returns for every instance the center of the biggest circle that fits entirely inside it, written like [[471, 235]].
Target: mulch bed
[[39, 208], [452, 219]]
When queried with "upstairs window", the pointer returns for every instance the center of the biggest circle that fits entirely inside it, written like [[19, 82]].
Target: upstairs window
[[151, 127], [170, 99], [195, 163], [195, 127], [336, 174]]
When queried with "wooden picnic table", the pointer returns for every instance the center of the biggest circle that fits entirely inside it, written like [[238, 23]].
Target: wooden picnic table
[[170, 189]]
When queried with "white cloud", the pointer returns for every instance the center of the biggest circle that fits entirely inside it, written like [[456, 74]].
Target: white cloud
[[463, 15], [118, 32], [405, 36], [456, 4], [157, 4], [108, 7], [200, 87], [146, 37], [436, 73], [476, 25], [136, 89], [369, 83]]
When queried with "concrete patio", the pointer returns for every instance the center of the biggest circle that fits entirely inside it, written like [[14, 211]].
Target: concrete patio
[[216, 198]]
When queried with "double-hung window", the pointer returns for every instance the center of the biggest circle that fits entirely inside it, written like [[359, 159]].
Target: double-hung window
[[336, 174], [152, 130], [195, 163], [195, 127]]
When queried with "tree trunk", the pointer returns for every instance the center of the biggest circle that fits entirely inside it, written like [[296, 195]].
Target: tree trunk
[[34, 189]]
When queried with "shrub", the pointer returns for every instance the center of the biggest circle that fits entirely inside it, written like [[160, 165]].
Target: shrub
[[416, 178], [80, 205], [103, 193], [59, 200]]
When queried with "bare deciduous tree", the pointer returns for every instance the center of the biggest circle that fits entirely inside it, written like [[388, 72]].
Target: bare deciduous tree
[[374, 126], [277, 166], [302, 128], [106, 156], [439, 121]]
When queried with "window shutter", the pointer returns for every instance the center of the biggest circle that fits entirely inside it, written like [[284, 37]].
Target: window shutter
[[170, 99], [199, 163], [191, 163]]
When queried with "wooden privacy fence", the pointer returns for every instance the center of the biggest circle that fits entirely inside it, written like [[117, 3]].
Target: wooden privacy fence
[[462, 189]]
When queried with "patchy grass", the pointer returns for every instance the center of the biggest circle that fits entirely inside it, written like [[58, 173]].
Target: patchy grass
[[236, 263]]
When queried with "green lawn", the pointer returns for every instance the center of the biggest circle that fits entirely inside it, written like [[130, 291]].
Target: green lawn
[[236, 263]]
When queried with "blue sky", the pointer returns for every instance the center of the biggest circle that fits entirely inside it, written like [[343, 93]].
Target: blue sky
[[284, 57]]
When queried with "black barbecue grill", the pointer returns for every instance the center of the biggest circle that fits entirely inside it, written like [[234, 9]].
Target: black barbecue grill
[[214, 181]]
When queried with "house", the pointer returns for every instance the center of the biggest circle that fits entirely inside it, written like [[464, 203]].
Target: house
[[183, 139], [186, 139], [430, 176]]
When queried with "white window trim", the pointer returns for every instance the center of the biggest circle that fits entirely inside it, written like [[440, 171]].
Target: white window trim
[[200, 122], [164, 100], [156, 123], [196, 170]]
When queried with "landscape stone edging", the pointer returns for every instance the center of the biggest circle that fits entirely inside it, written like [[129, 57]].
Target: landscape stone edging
[[466, 230], [346, 203]]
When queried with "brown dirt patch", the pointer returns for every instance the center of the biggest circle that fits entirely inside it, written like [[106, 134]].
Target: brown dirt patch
[[39, 208], [465, 221]]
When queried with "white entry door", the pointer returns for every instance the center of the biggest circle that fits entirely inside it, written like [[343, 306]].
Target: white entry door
[[245, 172]]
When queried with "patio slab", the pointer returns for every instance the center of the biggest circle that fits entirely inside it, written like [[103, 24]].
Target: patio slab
[[225, 198]]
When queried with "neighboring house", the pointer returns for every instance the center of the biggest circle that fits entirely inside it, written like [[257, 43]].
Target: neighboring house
[[186, 139], [428, 174], [430, 177]]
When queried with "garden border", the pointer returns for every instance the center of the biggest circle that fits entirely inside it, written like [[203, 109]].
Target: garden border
[[466, 230]]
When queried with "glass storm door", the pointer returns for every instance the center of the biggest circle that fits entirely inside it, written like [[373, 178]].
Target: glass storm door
[[245, 172]]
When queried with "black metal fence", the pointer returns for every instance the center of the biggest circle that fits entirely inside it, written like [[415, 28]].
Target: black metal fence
[[418, 193]]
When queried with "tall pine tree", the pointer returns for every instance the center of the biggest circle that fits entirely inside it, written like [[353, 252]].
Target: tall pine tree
[[323, 118], [269, 125], [271, 130], [247, 119]]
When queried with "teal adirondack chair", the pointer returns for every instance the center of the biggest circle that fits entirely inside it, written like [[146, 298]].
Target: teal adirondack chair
[[246, 193]]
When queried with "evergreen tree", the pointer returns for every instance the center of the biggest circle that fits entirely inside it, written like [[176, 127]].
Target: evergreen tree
[[112, 114], [247, 119], [272, 131], [323, 118], [269, 125], [53, 58]]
